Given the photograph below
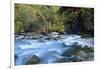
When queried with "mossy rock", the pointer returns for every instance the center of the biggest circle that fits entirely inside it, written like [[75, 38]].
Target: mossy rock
[[80, 56], [90, 56], [88, 49], [33, 60], [75, 48]]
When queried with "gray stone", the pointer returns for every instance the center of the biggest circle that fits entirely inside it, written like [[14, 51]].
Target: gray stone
[[33, 60], [90, 56], [81, 55]]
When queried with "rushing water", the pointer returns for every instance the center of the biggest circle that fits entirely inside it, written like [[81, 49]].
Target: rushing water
[[49, 51]]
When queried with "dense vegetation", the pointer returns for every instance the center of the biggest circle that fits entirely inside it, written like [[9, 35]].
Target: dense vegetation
[[44, 18]]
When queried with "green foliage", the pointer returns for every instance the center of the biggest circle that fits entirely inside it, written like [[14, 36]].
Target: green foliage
[[78, 20], [37, 18]]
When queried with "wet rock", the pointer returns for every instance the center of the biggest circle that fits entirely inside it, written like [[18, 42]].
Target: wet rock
[[88, 49], [67, 53], [72, 58], [61, 33], [33, 60], [15, 56], [90, 56], [92, 49], [47, 38], [75, 58], [73, 49], [80, 56], [75, 45], [64, 45], [44, 33], [65, 59]]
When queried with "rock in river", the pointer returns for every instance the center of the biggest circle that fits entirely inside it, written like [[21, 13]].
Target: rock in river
[[80, 56], [33, 60], [90, 56]]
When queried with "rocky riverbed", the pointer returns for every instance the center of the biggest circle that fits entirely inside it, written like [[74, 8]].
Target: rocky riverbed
[[71, 48]]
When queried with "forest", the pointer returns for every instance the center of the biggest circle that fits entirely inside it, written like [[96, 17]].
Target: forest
[[46, 18]]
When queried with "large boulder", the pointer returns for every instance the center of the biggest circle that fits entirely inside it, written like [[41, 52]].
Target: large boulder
[[78, 53], [33, 60], [90, 56], [88, 49], [74, 48], [80, 56]]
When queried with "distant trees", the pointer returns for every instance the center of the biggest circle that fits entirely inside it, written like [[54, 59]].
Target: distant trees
[[37, 18], [78, 20]]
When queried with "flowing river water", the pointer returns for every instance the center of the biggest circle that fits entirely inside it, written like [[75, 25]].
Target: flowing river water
[[49, 51]]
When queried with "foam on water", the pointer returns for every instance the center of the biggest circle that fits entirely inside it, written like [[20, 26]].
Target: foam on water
[[49, 50]]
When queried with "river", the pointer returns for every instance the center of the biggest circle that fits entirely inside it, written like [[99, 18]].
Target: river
[[49, 51]]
